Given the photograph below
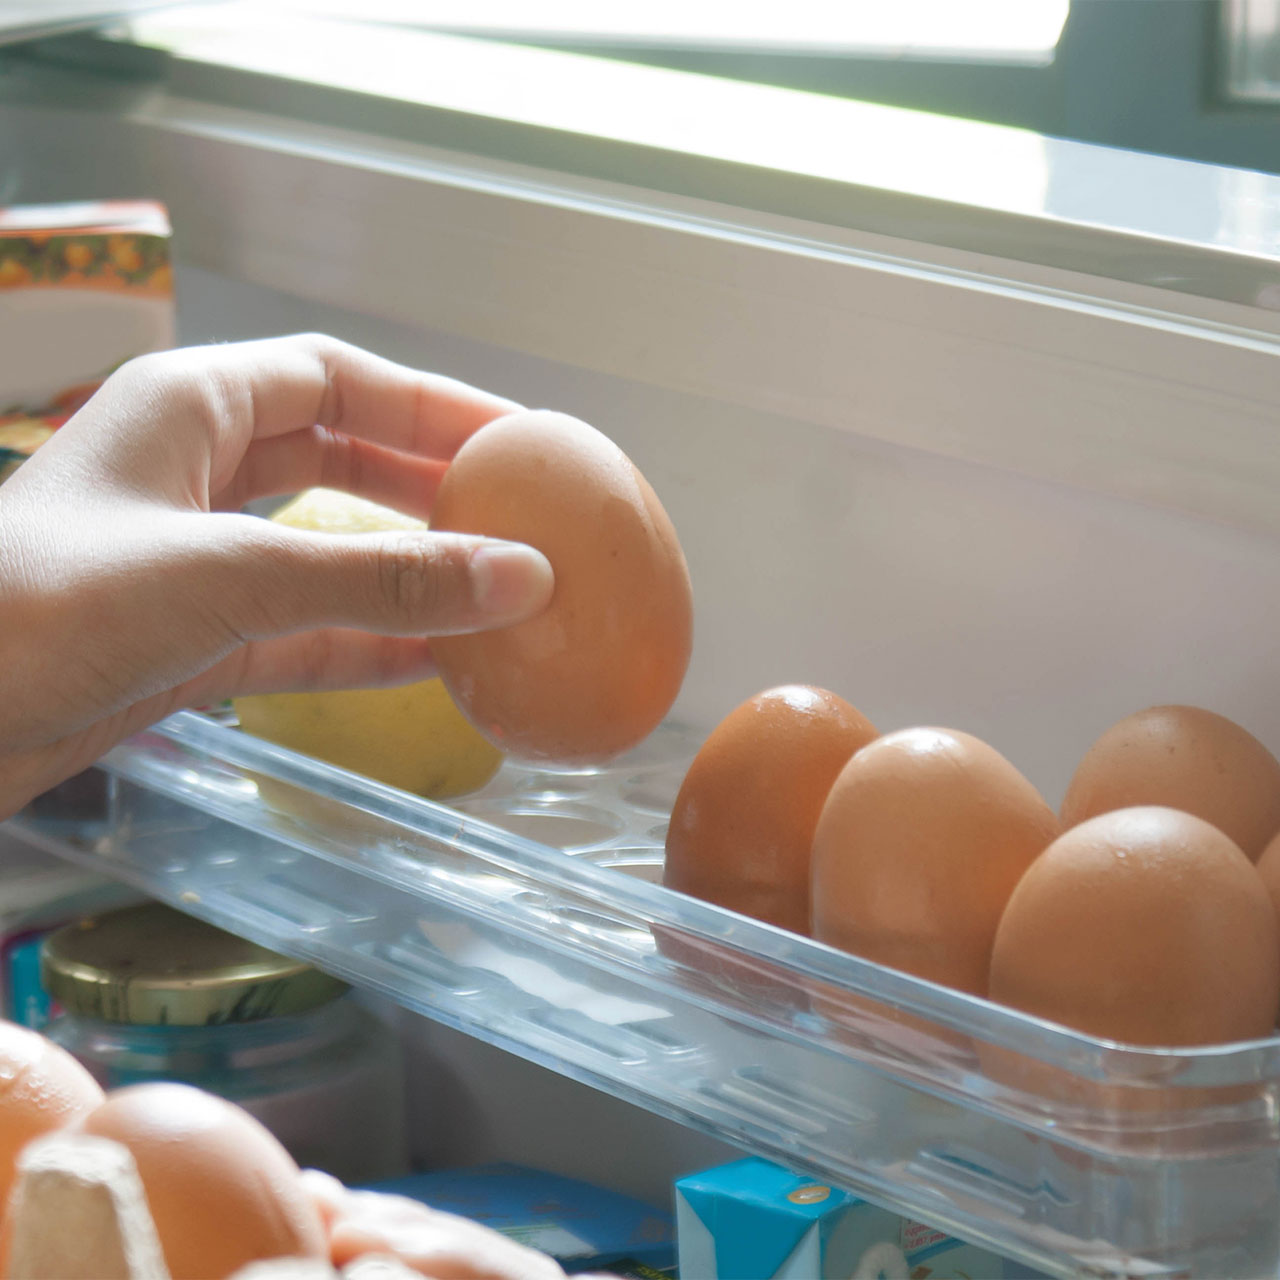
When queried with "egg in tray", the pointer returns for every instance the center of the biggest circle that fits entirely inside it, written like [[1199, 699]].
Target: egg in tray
[[1141, 913]]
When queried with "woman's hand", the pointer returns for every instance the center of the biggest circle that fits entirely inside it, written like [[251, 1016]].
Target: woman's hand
[[131, 587]]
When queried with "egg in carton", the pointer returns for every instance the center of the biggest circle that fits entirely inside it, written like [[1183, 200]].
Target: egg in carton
[[79, 1212]]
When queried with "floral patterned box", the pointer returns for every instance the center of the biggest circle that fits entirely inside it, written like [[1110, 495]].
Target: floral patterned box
[[83, 288]]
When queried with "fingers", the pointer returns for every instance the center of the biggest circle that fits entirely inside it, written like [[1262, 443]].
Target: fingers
[[317, 456], [326, 1192], [208, 405], [289, 384], [333, 658], [267, 580]]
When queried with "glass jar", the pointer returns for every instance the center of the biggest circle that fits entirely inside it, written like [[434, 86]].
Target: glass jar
[[147, 993]]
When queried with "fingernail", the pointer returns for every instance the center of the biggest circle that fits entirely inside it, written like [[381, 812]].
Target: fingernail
[[510, 580]]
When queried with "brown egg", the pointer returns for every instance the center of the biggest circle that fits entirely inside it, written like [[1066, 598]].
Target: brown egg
[[1185, 758], [223, 1192], [1143, 925], [595, 672], [741, 830], [42, 1087], [920, 843], [1269, 870]]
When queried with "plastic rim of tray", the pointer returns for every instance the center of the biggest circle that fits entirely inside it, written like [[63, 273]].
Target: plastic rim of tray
[[188, 800]]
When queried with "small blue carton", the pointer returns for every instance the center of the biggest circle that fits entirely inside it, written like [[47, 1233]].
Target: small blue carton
[[753, 1220]]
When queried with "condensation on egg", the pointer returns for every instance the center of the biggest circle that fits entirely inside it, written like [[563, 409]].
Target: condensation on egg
[[921, 841], [594, 673], [42, 1088], [1146, 926]]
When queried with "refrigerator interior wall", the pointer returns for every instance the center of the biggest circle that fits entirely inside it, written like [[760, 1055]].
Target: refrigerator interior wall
[[923, 590], [470, 1103]]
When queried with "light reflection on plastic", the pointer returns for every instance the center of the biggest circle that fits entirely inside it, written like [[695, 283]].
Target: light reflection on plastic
[[919, 26], [770, 128]]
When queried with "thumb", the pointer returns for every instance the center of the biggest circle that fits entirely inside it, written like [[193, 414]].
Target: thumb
[[276, 580]]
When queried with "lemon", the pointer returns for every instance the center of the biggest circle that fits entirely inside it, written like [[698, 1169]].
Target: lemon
[[412, 737], [332, 511]]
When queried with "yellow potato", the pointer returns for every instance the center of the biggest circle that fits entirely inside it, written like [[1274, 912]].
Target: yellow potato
[[412, 737]]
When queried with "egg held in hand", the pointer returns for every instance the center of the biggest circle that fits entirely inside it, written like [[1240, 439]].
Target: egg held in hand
[[921, 841], [42, 1088], [222, 1191], [1183, 758], [594, 673], [741, 829], [1144, 925]]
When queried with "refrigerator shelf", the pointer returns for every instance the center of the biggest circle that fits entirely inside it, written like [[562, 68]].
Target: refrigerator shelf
[[531, 914]]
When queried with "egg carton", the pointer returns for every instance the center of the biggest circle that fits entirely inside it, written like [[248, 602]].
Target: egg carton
[[613, 815], [504, 914], [79, 1211]]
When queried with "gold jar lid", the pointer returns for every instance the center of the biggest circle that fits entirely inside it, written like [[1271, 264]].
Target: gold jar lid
[[153, 966]]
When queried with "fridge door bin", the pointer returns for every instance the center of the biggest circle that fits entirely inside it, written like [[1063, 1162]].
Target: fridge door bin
[[1071, 1154]]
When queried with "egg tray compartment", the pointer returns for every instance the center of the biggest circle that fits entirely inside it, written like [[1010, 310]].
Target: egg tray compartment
[[613, 815], [712, 1019]]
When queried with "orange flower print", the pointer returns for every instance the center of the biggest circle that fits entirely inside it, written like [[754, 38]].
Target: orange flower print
[[124, 253], [77, 255], [162, 278]]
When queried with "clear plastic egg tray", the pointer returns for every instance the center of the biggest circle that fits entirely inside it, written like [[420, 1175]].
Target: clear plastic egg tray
[[531, 914]]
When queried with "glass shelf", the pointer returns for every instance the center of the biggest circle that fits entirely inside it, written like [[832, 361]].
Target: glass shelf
[[531, 914]]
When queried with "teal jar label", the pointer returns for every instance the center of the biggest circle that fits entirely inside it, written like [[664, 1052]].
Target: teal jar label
[[25, 997]]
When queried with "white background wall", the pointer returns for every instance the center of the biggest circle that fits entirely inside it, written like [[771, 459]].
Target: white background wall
[[921, 589]]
